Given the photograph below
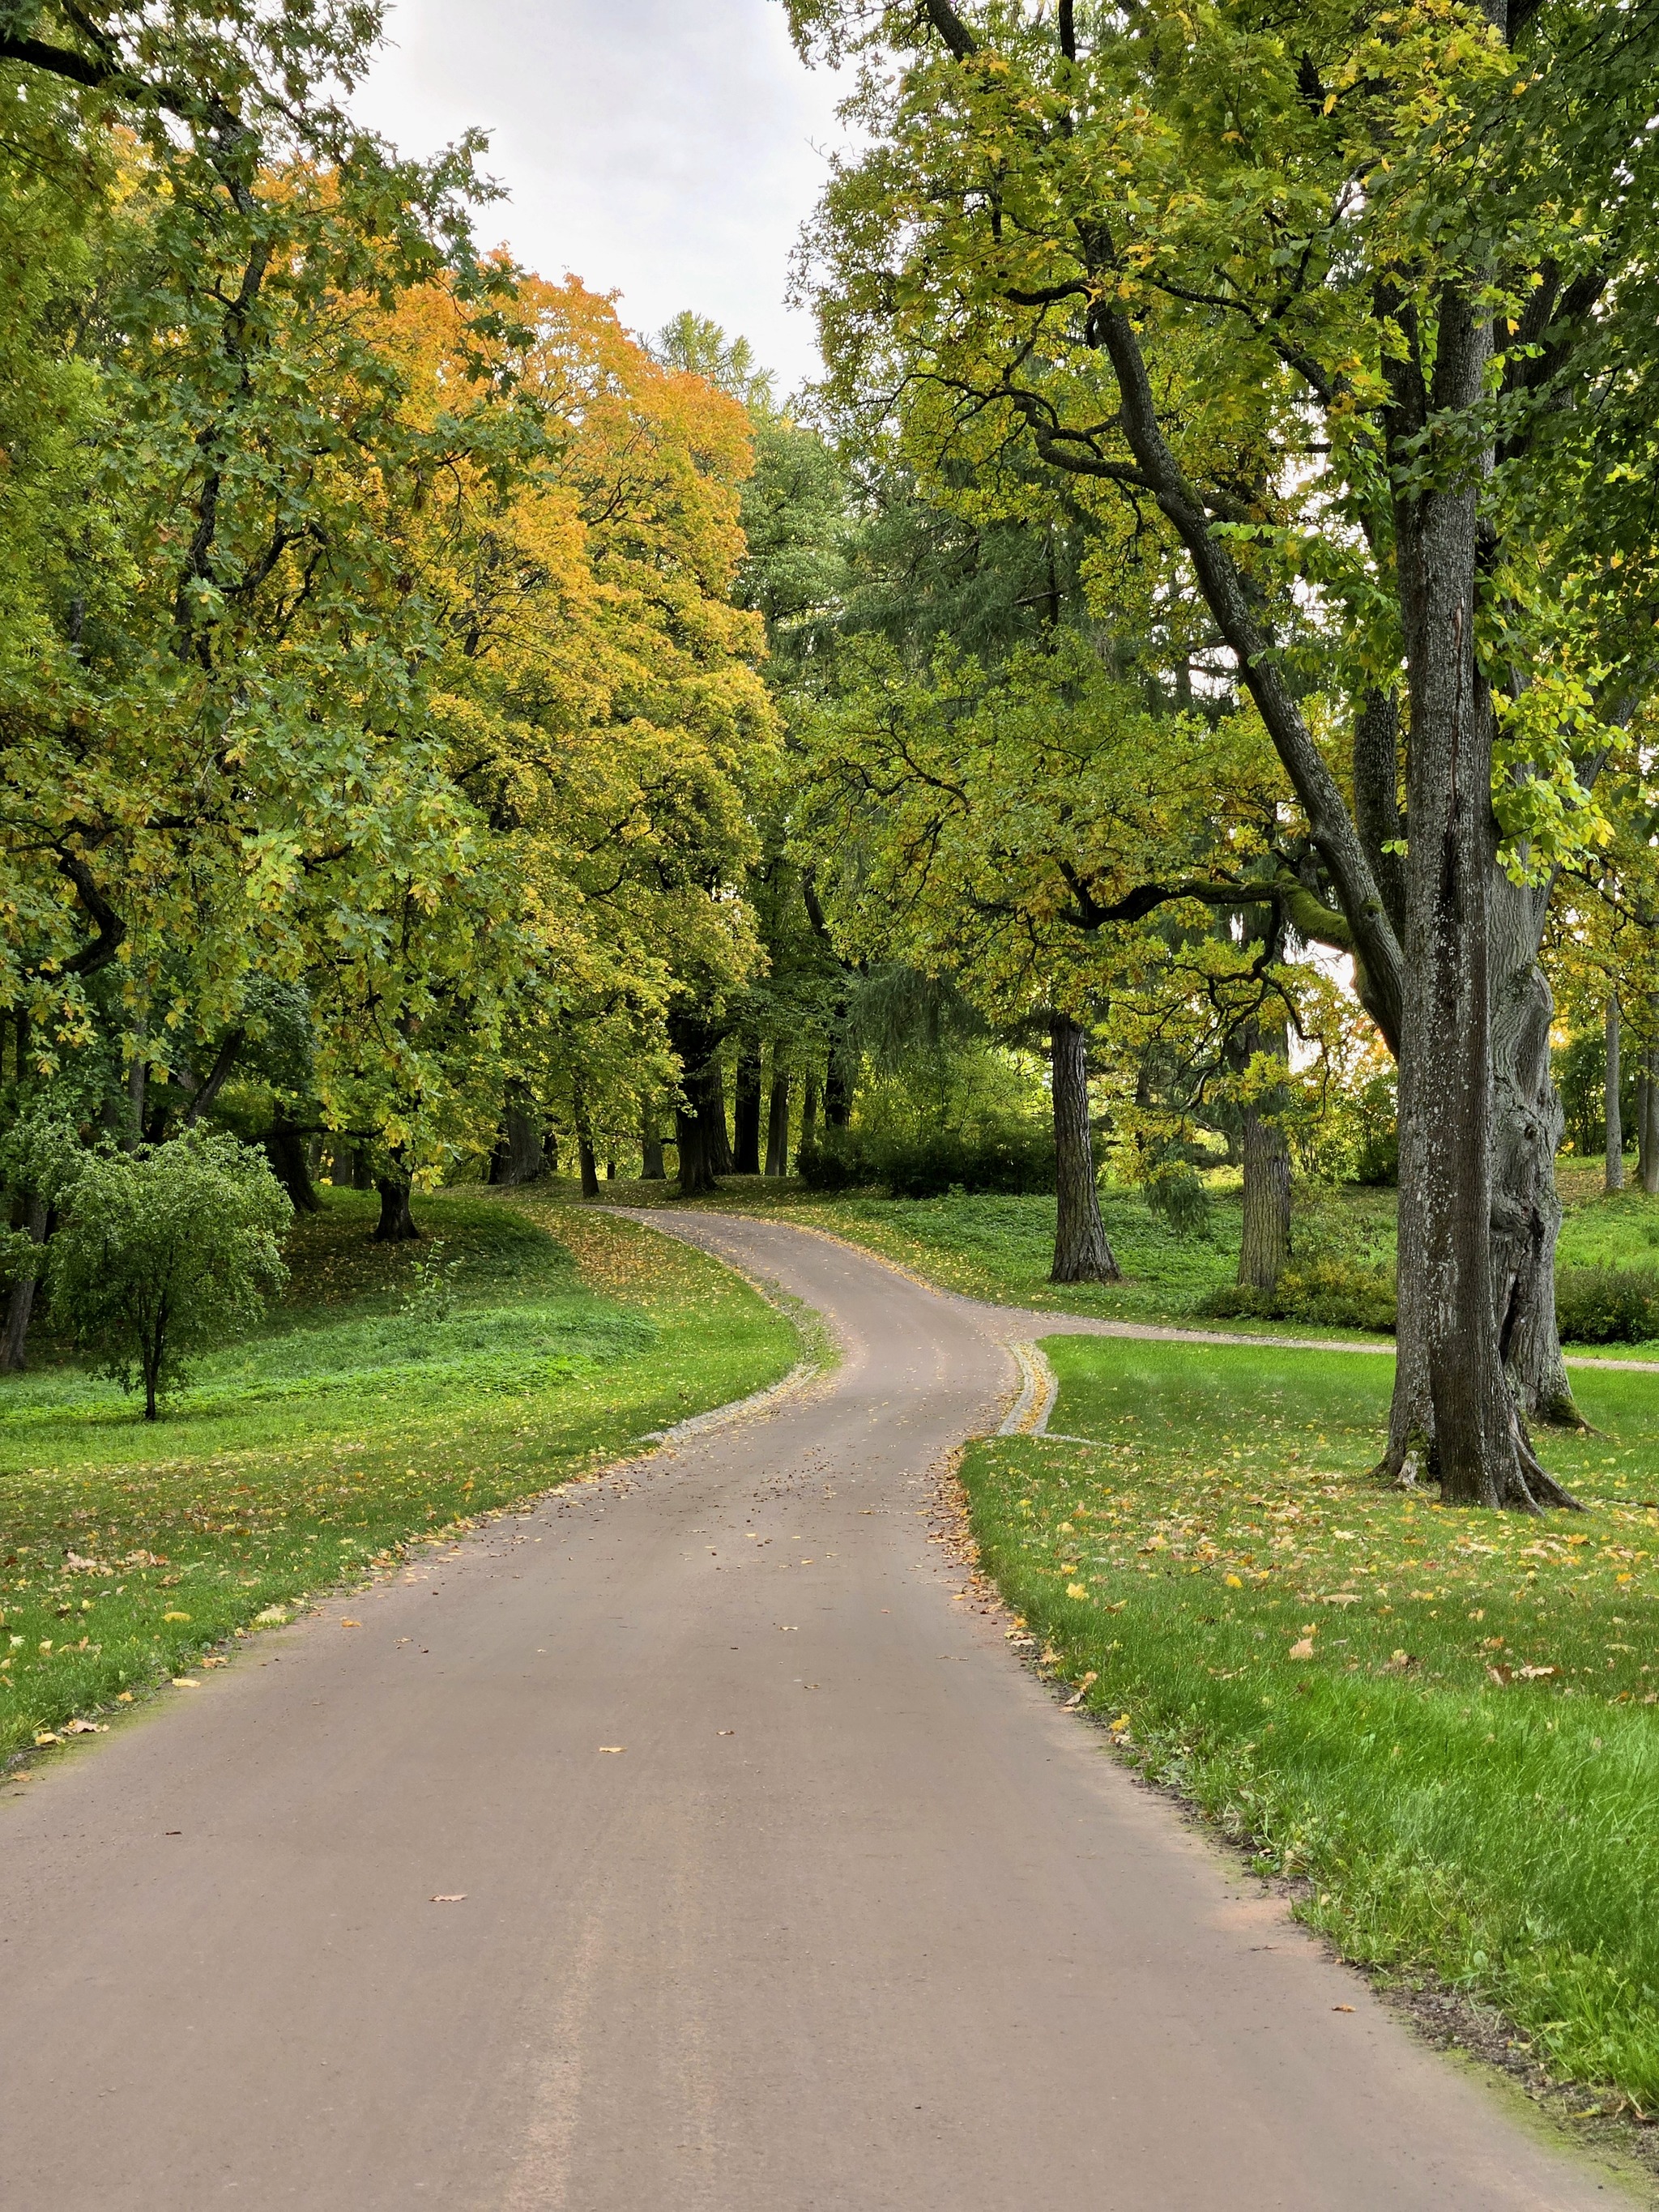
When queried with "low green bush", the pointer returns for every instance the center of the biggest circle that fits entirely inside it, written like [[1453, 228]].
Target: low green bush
[[1330, 1293], [1016, 1159], [1176, 1193], [1606, 1305]]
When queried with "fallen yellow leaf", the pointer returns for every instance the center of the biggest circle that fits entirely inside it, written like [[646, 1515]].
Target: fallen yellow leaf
[[1301, 1650]]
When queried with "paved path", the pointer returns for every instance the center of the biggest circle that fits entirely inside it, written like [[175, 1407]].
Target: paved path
[[854, 1920]]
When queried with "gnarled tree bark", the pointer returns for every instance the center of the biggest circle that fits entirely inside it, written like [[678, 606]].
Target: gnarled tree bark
[[1082, 1253]]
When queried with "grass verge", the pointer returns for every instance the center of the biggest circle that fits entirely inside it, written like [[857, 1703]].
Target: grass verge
[[1446, 1722], [375, 1409]]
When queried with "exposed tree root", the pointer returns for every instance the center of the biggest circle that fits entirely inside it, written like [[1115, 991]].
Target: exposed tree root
[[1527, 1487]]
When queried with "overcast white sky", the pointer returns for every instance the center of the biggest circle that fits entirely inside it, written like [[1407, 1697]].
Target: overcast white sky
[[665, 149]]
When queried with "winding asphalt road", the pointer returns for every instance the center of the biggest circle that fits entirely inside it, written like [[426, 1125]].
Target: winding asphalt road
[[782, 1888]]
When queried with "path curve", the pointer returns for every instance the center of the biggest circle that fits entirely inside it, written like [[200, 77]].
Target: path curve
[[854, 1920]]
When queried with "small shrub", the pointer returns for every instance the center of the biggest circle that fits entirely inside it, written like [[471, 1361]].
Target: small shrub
[[1606, 1305], [166, 1252], [1176, 1195], [1327, 1293]]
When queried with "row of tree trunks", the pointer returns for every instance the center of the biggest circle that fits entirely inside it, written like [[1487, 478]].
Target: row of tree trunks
[[1082, 1253]]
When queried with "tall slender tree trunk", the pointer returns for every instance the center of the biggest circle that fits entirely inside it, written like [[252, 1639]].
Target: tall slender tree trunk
[[651, 1166], [1615, 1174], [1475, 1447], [1650, 1145], [746, 1106], [586, 1164], [133, 1136], [1643, 1120], [777, 1118], [1082, 1253], [839, 1083], [717, 1136], [1265, 1244], [809, 1109], [20, 1302]]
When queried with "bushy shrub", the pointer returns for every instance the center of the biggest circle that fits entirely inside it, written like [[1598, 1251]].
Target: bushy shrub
[[166, 1252], [836, 1159], [1017, 1158], [1176, 1191], [1606, 1305], [1327, 1293]]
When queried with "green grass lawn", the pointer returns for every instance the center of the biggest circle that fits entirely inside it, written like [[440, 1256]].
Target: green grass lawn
[[1446, 1721], [357, 1420]]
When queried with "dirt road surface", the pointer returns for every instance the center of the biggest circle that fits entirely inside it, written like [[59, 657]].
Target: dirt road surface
[[781, 1886]]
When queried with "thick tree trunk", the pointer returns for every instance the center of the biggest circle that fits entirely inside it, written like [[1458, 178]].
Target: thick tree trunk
[[1475, 1448], [651, 1167], [701, 1117], [746, 1109], [1527, 1126], [1265, 1244], [290, 1155], [777, 1120], [20, 1303], [1082, 1253], [397, 1223], [1615, 1173], [519, 1157]]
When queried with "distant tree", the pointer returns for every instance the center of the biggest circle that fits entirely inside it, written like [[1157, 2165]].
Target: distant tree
[[166, 1252]]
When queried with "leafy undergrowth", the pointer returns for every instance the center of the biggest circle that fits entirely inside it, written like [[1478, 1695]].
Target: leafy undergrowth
[[364, 1418], [1445, 1720], [1000, 1248]]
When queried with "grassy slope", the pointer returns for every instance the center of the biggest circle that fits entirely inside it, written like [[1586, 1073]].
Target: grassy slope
[[1000, 1248], [347, 1426], [1501, 1832]]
